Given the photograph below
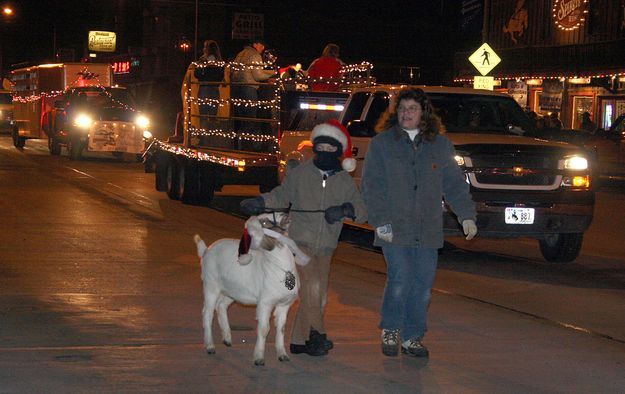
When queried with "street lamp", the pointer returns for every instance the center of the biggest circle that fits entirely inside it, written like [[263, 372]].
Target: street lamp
[[7, 12]]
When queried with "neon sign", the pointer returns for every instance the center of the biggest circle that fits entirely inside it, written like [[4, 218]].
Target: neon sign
[[122, 67]]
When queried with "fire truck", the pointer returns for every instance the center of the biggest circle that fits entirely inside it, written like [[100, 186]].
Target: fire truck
[[217, 142], [73, 105]]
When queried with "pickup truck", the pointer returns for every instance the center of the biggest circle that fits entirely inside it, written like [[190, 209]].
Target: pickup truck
[[523, 185]]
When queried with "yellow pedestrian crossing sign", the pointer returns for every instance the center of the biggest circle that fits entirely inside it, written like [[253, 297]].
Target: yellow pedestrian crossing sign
[[484, 59]]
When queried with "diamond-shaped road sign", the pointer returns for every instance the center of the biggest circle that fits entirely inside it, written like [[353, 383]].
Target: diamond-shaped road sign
[[484, 59]]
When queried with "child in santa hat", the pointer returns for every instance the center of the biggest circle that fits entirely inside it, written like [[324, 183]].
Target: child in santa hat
[[321, 194]]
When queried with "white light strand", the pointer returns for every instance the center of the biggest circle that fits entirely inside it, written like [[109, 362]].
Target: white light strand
[[198, 132]]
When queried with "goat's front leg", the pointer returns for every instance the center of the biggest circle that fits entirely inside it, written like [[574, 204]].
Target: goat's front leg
[[263, 313], [279, 315], [210, 299], [222, 318]]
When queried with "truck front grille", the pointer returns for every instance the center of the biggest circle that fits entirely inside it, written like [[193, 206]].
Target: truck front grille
[[514, 170]]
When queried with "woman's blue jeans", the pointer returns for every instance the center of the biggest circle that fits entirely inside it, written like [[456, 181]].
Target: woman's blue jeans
[[409, 280]]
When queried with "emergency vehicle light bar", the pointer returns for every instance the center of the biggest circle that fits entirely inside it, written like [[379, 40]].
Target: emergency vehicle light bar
[[322, 107]]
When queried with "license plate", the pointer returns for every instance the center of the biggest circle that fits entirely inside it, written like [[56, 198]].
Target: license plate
[[519, 215]]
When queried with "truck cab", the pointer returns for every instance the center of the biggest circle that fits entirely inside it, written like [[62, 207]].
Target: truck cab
[[97, 119], [522, 184]]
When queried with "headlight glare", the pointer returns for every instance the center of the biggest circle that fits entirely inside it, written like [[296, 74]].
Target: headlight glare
[[147, 135], [142, 121], [83, 121], [576, 163], [459, 160]]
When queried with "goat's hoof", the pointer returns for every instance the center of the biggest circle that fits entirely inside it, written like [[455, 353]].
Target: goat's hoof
[[259, 363], [227, 343], [210, 350], [284, 358]]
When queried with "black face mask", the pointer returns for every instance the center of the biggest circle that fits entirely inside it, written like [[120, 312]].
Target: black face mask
[[326, 161]]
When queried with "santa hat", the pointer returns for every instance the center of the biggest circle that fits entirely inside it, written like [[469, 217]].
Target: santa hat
[[333, 129], [250, 240]]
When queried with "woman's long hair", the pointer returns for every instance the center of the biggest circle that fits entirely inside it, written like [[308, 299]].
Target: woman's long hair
[[213, 49], [331, 50], [430, 124]]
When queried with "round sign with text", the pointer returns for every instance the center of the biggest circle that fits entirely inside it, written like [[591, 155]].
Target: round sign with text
[[569, 14]]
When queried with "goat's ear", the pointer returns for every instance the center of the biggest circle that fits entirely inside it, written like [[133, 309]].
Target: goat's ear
[[255, 230], [285, 221]]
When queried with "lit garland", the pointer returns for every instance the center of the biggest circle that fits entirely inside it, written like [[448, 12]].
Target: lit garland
[[202, 156], [56, 93], [560, 77], [198, 132], [264, 104]]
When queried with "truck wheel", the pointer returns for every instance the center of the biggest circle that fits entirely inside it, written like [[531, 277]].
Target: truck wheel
[[160, 172], [54, 147], [561, 248], [175, 179], [190, 189], [206, 186], [18, 141], [74, 149]]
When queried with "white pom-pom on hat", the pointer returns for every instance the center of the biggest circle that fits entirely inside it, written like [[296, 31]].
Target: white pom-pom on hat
[[333, 129]]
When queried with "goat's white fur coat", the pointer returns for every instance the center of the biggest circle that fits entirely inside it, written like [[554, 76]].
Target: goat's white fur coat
[[257, 281]]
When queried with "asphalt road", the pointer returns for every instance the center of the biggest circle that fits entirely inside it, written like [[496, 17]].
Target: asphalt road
[[100, 290]]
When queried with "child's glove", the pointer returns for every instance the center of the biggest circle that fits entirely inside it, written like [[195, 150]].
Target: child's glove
[[385, 233], [338, 212], [253, 206]]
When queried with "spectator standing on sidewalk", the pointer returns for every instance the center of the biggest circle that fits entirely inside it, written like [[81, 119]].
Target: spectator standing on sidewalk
[[320, 193], [409, 168]]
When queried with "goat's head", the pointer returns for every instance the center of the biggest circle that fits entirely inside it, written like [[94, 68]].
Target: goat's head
[[255, 226]]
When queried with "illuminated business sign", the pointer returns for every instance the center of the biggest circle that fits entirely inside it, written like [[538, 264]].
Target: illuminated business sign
[[246, 26], [102, 41], [569, 14], [121, 67]]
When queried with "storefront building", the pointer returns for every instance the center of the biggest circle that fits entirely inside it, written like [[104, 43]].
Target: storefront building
[[563, 56]]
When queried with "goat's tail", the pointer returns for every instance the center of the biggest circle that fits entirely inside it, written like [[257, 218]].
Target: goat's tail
[[201, 246]]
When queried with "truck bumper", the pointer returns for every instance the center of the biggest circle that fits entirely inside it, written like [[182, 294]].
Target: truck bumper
[[554, 212]]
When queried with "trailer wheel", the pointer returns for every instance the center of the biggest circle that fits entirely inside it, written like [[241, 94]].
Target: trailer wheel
[[561, 248], [53, 146], [206, 186], [190, 189], [18, 141], [175, 179], [160, 172]]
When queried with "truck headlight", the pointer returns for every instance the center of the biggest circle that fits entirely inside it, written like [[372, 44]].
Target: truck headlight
[[575, 163], [142, 121], [83, 121], [147, 135], [459, 160]]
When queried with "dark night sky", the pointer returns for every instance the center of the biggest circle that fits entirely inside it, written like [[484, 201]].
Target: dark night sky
[[418, 32]]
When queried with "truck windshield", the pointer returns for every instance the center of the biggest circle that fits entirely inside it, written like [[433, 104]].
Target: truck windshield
[[465, 113], [108, 97]]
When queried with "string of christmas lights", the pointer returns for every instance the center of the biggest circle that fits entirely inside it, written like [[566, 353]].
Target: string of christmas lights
[[199, 132], [264, 104], [203, 156], [549, 77], [81, 76]]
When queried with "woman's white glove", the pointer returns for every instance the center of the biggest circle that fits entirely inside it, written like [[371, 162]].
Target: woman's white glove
[[469, 228], [385, 233]]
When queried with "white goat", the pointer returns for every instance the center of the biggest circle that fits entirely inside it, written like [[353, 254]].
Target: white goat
[[266, 277]]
